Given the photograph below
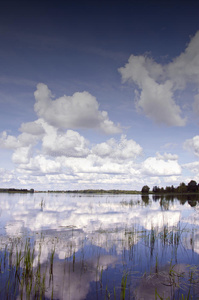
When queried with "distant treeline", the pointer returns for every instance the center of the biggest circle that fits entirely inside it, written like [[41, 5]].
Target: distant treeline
[[11, 190], [191, 187], [92, 191]]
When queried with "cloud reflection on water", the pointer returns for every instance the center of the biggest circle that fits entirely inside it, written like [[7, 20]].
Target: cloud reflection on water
[[107, 214], [72, 281], [108, 225]]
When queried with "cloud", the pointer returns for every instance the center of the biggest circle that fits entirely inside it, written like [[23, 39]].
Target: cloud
[[58, 143], [6, 176], [78, 111], [196, 104], [185, 67], [192, 145], [167, 156], [193, 167], [153, 98], [22, 145], [60, 159], [41, 165], [153, 166], [125, 149], [34, 128], [8, 141], [54, 142], [158, 83], [11, 142], [48, 154], [22, 155], [44, 150], [94, 166]]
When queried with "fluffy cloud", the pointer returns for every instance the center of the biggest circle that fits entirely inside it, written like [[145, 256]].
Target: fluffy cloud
[[157, 83], [196, 104], [34, 128], [167, 156], [78, 111], [45, 150], [6, 176], [58, 143], [63, 160], [192, 145], [22, 155], [48, 154], [125, 149], [193, 167], [8, 141], [12, 142], [40, 165], [185, 67], [153, 166], [68, 144], [95, 165], [154, 99]]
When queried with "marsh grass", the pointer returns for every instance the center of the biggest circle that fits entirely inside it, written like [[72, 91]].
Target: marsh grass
[[123, 286], [30, 278], [20, 277], [171, 282]]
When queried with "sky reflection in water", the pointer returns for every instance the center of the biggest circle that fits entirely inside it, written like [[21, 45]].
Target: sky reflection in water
[[99, 239]]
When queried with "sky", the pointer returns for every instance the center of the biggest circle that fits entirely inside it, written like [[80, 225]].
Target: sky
[[99, 95]]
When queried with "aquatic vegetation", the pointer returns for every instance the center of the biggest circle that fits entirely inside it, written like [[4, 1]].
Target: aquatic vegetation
[[123, 286], [112, 248]]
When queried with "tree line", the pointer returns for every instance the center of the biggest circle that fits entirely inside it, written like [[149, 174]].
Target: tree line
[[12, 190], [191, 187]]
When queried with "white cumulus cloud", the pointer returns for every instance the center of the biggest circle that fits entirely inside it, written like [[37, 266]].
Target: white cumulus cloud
[[192, 145], [158, 83], [34, 128], [193, 167], [41, 165], [12, 142], [185, 67], [81, 110], [22, 155], [155, 99], [167, 156], [158, 167], [122, 150]]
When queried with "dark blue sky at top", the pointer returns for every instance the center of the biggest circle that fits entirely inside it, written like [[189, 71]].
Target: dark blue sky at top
[[42, 30]]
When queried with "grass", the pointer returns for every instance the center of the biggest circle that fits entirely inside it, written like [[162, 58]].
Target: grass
[[22, 277], [30, 278], [123, 286]]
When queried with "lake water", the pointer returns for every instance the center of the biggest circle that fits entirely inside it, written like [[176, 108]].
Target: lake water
[[81, 246]]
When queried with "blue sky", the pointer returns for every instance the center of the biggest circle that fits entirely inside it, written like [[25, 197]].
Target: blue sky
[[97, 95]]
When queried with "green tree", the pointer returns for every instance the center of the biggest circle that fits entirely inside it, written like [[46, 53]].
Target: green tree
[[182, 188], [192, 186], [145, 189], [156, 189], [168, 189]]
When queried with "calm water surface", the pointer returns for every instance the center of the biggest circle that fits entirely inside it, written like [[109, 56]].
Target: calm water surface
[[76, 246]]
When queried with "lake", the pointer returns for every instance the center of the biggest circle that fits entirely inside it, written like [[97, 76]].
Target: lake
[[86, 246]]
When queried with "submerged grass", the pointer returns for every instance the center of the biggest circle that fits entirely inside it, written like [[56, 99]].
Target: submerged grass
[[123, 286], [31, 279], [21, 277]]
